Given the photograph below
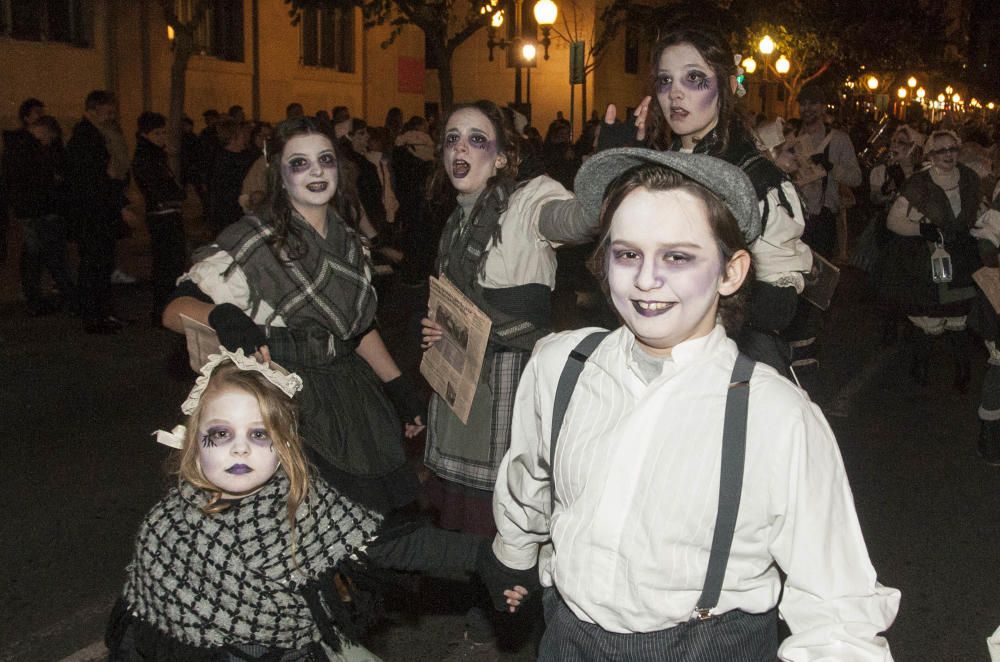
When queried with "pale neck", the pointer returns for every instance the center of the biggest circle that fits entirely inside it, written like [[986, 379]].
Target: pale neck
[[316, 217], [692, 139]]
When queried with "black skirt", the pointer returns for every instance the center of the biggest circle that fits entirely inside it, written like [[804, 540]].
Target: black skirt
[[351, 431]]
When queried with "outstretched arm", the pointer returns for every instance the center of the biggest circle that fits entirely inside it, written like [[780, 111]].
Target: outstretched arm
[[397, 386]]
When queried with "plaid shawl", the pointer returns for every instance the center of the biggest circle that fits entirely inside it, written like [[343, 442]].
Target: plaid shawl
[[329, 284], [229, 579]]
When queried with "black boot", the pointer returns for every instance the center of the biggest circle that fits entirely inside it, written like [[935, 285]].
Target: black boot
[[961, 350], [989, 442]]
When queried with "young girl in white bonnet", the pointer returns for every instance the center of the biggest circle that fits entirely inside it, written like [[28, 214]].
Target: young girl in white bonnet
[[251, 557]]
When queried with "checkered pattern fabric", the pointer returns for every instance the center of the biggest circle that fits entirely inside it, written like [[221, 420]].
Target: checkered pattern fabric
[[329, 283], [230, 578]]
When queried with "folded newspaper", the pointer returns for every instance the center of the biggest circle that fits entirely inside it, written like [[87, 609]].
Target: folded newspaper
[[452, 365]]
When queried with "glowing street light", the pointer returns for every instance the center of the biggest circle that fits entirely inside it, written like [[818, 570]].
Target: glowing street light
[[956, 98], [901, 93], [497, 19], [872, 83], [545, 15], [749, 65], [941, 98], [782, 65], [991, 105], [528, 52], [766, 45], [948, 90], [921, 93], [911, 82]]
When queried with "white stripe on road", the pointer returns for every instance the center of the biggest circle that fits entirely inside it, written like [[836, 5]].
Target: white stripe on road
[[840, 406], [92, 653]]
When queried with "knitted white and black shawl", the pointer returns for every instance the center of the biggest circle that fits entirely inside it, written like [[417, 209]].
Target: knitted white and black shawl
[[228, 579]]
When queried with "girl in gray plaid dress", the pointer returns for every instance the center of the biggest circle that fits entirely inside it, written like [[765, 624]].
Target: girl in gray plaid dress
[[292, 282]]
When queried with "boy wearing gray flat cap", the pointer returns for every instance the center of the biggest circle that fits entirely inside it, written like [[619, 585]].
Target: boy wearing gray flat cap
[[658, 481]]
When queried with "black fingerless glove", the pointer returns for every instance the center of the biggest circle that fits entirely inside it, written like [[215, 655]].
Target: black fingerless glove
[[821, 160], [619, 134], [930, 232], [403, 395], [498, 578], [236, 330]]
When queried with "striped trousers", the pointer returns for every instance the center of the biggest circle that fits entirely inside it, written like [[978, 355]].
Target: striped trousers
[[735, 636]]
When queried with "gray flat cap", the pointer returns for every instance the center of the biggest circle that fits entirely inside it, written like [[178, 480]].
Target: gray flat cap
[[725, 180]]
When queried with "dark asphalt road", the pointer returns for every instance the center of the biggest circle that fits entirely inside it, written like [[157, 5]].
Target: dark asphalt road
[[79, 469]]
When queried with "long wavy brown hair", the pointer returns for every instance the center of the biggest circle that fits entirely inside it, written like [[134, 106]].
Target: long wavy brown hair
[[724, 225], [345, 201], [715, 49]]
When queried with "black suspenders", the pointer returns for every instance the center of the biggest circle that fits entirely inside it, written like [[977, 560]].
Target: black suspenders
[[734, 433]]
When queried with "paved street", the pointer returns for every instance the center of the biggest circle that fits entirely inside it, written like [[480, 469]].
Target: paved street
[[79, 469]]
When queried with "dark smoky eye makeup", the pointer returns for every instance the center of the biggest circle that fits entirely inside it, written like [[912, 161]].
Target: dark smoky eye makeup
[[451, 139], [216, 435], [260, 436], [298, 164], [662, 81], [328, 160]]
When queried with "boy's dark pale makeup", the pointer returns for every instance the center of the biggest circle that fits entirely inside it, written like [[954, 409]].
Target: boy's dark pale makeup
[[665, 271]]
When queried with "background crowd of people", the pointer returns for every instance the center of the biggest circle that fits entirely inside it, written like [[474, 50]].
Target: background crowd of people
[[343, 200]]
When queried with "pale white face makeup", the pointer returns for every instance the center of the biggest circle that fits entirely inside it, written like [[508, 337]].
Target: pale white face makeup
[[944, 153], [309, 171], [470, 150], [235, 451], [665, 272], [687, 90]]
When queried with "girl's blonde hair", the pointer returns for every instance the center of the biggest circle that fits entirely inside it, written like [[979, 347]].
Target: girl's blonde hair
[[937, 136], [281, 419]]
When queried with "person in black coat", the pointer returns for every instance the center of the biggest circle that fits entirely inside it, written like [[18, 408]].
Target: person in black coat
[[164, 198], [229, 167], [97, 206], [355, 145], [34, 176]]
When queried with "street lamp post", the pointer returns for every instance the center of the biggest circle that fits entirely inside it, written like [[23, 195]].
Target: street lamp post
[[766, 47]]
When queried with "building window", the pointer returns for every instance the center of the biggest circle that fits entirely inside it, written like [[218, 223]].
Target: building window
[[220, 33], [328, 38], [66, 21], [631, 50]]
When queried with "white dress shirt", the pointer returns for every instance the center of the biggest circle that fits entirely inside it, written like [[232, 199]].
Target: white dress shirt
[[637, 484]]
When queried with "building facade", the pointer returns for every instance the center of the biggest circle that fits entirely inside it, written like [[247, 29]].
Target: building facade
[[254, 54]]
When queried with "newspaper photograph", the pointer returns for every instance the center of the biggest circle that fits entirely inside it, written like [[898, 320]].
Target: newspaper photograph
[[452, 365]]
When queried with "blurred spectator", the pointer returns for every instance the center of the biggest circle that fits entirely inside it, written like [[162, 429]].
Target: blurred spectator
[[558, 155], [34, 176], [96, 202], [164, 198], [237, 113], [416, 139], [294, 109], [118, 168], [355, 148], [229, 168], [379, 155], [254, 188], [393, 124], [191, 173]]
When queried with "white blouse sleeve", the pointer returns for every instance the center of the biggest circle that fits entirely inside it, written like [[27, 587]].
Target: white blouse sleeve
[[211, 277], [832, 601], [780, 256], [521, 501]]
